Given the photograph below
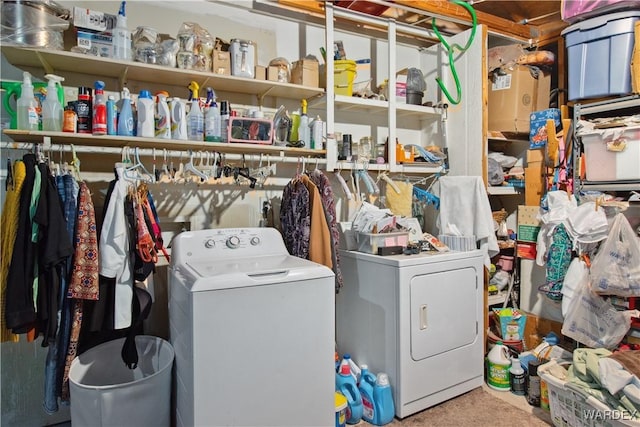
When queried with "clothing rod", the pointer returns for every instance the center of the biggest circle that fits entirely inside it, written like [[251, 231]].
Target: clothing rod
[[159, 152]]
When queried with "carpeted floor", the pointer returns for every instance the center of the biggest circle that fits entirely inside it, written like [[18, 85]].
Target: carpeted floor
[[477, 408]]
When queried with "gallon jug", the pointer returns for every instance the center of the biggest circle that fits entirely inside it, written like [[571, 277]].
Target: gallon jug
[[146, 121], [346, 384], [498, 367], [366, 386], [383, 406], [178, 118], [163, 116]]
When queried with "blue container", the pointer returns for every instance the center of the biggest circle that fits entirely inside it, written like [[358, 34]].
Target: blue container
[[346, 384], [112, 116], [366, 386], [384, 409]]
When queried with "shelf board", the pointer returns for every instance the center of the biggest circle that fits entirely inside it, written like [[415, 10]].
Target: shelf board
[[504, 190], [419, 167], [59, 62], [498, 298], [375, 106], [37, 137]]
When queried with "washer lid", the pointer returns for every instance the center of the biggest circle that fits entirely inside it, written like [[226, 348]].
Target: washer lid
[[241, 272]]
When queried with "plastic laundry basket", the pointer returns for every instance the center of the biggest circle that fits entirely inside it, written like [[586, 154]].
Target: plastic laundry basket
[[105, 392]]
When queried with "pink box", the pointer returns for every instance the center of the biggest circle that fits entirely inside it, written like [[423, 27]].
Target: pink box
[[250, 130]]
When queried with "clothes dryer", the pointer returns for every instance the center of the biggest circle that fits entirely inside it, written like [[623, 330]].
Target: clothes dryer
[[253, 331], [416, 317]]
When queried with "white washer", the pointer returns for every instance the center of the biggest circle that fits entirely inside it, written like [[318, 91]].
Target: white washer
[[416, 317], [253, 331]]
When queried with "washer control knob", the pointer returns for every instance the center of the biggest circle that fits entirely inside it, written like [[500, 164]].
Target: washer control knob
[[209, 243], [233, 242], [255, 241]]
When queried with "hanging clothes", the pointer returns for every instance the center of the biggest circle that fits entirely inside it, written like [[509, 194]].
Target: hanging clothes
[[328, 202], [9, 227]]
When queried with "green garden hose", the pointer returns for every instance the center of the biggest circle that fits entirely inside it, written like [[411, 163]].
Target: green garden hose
[[452, 48]]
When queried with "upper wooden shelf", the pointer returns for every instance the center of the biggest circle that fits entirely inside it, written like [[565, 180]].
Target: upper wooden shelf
[[374, 106], [37, 137], [58, 62]]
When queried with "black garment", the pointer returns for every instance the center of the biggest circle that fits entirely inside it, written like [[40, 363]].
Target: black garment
[[19, 310]]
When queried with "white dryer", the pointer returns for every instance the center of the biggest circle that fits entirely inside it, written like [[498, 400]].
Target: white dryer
[[253, 331], [416, 317]]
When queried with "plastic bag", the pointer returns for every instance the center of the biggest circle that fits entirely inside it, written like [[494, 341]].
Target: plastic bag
[[593, 321], [615, 269]]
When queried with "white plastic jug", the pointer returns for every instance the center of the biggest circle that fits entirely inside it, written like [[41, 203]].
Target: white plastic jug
[[498, 367], [146, 121], [178, 119]]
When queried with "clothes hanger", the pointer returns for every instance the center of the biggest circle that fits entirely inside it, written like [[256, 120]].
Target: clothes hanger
[[385, 177], [137, 171], [75, 163], [191, 168], [343, 183]]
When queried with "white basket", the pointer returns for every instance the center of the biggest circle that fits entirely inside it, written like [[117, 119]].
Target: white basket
[[571, 408]]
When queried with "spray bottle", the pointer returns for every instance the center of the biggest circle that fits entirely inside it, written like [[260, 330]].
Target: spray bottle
[[99, 121], [51, 106], [195, 118], [212, 120], [27, 106], [125, 117], [304, 133], [122, 36], [224, 121], [317, 132]]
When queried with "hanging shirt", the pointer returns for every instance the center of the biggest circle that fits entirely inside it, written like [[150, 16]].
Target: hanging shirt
[[319, 235], [84, 275], [295, 218], [114, 251]]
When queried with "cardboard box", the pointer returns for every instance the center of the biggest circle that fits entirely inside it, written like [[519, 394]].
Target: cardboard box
[[514, 96], [260, 72], [98, 43], [272, 73], [221, 62], [305, 72], [93, 19], [538, 126], [528, 225]]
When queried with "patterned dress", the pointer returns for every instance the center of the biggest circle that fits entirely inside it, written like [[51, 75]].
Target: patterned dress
[[295, 218]]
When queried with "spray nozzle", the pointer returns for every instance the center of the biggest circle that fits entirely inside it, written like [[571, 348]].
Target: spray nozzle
[[123, 6], [125, 93], [211, 96], [303, 105], [26, 78], [193, 88]]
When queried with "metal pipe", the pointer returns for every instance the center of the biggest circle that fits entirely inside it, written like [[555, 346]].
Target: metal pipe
[[525, 21]]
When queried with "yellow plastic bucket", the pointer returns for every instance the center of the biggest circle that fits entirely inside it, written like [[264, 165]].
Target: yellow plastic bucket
[[341, 410], [344, 73]]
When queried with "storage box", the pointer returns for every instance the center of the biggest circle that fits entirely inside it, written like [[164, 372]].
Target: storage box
[[305, 72], [250, 130], [344, 73], [612, 154], [93, 19], [260, 72], [99, 44], [538, 126], [514, 96], [370, 242], [528, 224], [221, 62], [599, 55]]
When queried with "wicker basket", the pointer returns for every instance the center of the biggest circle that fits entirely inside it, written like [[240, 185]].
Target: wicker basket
[[571, 408]]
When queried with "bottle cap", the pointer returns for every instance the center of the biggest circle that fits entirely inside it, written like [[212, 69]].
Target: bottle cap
[[98, 84], [346, 356], [345, 369], [382, 379], [533, 366], [145, 94], [85, 91], [346, 137], [111, 98]]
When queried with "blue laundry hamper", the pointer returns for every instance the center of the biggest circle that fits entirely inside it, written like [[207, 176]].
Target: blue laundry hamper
[[106, 393]]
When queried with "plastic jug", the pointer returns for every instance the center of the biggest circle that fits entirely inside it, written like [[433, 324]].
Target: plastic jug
[[346, 384], [163, 116], [384, 409], [178, 118], [146, 114], [498, 367], [366, 385]]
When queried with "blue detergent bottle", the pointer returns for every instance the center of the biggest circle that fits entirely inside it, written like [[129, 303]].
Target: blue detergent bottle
[[346, 384], [384, 409], [366, 386]]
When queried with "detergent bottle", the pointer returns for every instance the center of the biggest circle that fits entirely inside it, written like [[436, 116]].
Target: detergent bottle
[[163, 116], [304, 133], [195, 118], [27, 106], [346, 384], [383, 406], [51, 107], [178, 118], [125, 116], [366, 385], [498, 367], [146, 114], [99, 117]]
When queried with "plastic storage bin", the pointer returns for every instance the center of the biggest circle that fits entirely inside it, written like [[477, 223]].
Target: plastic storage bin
[[599, 55], [105, 392], [370, 242], [344, 73], [604, 164]]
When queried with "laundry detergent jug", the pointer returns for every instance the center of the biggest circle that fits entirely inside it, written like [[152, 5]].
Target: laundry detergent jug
[[346, 384], [498, 367], [384, 409]]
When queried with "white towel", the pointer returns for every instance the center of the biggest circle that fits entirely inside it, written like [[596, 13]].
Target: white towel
[[465, 203]]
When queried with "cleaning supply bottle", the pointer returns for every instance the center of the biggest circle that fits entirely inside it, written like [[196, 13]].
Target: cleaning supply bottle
[[27, 106], [533, 383], [112, 116], [84, 110], [162, 116], [294, 135], [195, 118], [353, 366], [498, 367], [121, 36], [384, 409], [125, 116], [304, 133], [146, 114], [224, 121], [346, 384], [52, 113], [212, 120], [317, 132], [366, 385], [178, 118], [517, 378], [99, 117]]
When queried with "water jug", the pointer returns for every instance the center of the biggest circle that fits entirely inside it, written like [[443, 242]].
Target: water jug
[[346, 384], [498, 367]]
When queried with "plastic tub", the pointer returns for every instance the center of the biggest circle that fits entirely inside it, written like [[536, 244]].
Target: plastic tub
[[341, 410], [370, 242], [105, 392], [344, 73], [603, 163]]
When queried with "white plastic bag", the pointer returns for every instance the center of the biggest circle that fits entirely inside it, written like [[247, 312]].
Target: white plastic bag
[[615, 269], [577, 275], [593, 321]]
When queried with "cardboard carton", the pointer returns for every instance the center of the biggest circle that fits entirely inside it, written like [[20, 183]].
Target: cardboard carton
[[93, 19], [221, 62], [514, 96], [260, 72], [528, 225], [305, 72]]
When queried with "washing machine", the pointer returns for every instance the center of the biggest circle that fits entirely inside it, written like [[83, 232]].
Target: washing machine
[[253, 330], [416, 317]]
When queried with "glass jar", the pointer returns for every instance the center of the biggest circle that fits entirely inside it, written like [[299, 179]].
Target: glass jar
[[364, 149]]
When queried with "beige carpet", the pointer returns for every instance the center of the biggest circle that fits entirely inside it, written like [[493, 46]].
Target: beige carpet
[[477, 408]]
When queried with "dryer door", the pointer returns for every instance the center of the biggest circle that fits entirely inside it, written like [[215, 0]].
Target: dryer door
[[443, 311]]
